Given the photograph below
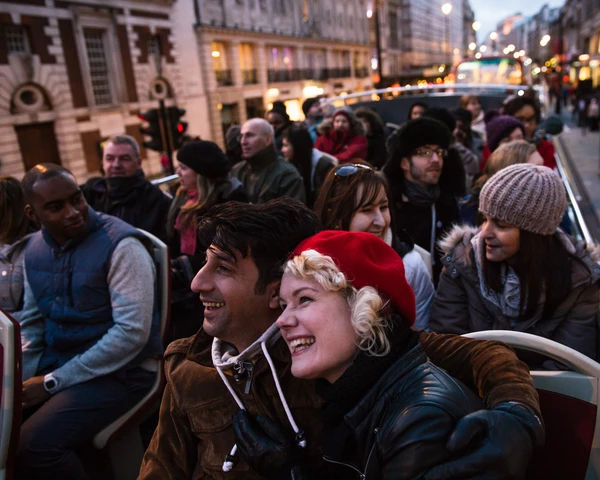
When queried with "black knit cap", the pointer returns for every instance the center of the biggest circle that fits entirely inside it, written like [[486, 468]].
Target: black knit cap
[[308, 103], [416, 133], [279, 107], [204, 158]]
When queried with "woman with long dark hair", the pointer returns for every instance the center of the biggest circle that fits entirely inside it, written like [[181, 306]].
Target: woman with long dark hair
[[204, 180], [355, 197], [313, 165], [518, 271], [15, 230]]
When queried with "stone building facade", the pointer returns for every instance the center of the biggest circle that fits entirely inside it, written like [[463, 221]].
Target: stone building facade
[[75, 72], [254, 52]]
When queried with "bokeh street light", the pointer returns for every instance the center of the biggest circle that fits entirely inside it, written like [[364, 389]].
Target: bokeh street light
[[446, 10], [476, 25], [545, 40], [494, 36]]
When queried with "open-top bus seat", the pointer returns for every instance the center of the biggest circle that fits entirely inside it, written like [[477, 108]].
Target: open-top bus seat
[[122, 436], [569, 404], [11, 388]]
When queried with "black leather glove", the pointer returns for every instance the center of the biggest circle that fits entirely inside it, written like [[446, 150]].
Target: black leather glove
[[494, 444], [266, 447]]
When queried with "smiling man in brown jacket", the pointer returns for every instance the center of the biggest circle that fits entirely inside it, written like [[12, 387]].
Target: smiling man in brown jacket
[[225, 367]]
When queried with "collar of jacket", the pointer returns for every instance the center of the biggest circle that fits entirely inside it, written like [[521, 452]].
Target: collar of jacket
[[8, 249], [407, 362], [263, 159], [200, 349]]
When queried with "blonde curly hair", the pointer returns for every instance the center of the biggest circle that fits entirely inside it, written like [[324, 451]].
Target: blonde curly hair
[[366, 305]]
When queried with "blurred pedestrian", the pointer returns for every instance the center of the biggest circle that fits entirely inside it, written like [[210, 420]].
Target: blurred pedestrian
[[279, 120], [264, 173], [312, 164], [346, 139], [376, 137]]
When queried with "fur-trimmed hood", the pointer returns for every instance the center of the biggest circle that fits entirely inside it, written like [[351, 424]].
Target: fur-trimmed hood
[[456, 249], [458, 234]]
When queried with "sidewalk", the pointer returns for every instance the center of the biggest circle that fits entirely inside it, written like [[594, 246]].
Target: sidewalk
[[584, 150]]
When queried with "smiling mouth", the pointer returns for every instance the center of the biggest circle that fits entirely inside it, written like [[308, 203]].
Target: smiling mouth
[[298, 345], [213, 305]]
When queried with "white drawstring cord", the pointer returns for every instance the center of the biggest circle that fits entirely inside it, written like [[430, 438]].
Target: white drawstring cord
[[300, 439], [228, 463]]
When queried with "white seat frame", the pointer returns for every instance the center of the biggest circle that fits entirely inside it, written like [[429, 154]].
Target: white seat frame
[[10, 339], [130, 441], [582, 383]]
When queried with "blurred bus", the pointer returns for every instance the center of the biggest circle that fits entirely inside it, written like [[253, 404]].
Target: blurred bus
[[490, 70]]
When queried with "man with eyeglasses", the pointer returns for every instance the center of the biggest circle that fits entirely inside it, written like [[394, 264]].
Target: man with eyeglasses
[[264, 173], [422, 207]]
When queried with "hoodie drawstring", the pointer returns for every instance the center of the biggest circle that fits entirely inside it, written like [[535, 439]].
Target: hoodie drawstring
[[299, 438]]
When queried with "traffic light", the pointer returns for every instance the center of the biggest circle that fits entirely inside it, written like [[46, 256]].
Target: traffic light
[[153, 130], [177, 128]]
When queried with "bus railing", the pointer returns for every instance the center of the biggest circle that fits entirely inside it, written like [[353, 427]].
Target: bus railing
[[573, 210], [442, 89]]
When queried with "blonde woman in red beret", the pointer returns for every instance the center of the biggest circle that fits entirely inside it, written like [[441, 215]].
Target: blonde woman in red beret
[[346, 316]]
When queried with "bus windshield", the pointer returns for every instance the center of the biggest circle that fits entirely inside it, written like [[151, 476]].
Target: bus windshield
[[499, 70]]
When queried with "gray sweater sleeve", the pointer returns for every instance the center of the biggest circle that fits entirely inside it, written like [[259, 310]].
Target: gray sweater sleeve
[[131, 279], [32, 331]]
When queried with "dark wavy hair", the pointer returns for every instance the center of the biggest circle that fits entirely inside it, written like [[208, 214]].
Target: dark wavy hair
[[15, 224], [297, 135], [542, 265], [336, 203], [267, 232], [516, 103]]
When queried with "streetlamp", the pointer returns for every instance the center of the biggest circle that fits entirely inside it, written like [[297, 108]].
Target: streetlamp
[[446, 10], [493, 38]]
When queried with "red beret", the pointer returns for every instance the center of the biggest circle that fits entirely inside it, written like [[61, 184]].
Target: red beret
[[366, 261]]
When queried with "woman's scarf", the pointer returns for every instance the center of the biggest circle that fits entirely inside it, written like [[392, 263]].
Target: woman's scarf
[[509, 300], [187, 233]]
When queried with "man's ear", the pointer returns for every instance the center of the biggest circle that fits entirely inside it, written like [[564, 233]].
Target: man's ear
[[30, 213], [405, 164], [273, 292]]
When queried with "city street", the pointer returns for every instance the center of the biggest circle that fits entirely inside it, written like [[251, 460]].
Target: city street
[[583, 156]]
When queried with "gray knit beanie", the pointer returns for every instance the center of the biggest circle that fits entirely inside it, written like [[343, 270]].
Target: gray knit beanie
[[527, 196]]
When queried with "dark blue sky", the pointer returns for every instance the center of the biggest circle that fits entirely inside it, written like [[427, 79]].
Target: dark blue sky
[[490, 12]]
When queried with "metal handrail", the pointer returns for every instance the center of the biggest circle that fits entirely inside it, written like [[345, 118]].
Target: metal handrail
[[449, 88], [163, 180], [585, 232]]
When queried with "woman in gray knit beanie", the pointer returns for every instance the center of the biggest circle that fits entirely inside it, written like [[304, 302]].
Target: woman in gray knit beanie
[[519, 271]]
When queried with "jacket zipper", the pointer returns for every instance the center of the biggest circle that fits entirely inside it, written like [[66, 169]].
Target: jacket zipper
[[242, 369], [362, 475]]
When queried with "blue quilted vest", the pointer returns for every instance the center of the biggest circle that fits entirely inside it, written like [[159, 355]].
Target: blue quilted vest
[[70, 286]]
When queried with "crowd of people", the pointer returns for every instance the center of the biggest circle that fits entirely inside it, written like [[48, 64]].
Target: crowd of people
[[320, 271]]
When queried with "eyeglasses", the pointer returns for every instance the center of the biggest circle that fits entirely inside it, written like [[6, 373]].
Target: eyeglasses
[[350, 169], [428, 152]]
